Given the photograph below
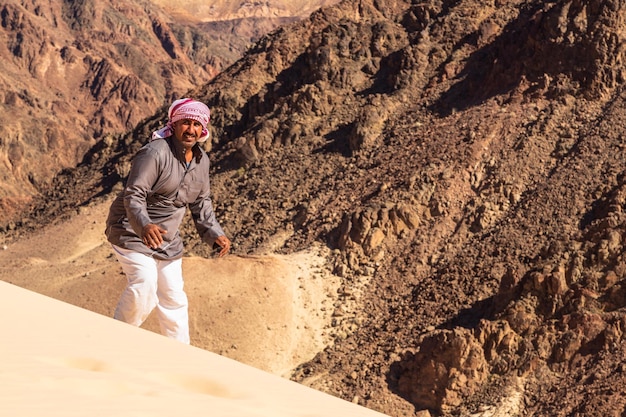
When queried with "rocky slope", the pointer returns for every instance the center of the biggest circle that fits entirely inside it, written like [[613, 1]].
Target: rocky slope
[[464, 161], [73, 72]]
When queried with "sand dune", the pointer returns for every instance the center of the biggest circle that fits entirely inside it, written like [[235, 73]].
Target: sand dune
[[62, 360], [269, 311], [252, 319]]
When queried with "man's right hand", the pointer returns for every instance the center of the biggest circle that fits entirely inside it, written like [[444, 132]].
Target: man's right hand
[[153, 235]]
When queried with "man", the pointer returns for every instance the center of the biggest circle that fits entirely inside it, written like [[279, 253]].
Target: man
[[168, 174]]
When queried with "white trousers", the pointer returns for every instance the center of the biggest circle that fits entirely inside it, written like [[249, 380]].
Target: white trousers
[[153, 283]]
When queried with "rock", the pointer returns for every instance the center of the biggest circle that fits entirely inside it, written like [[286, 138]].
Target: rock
[[449, 366]]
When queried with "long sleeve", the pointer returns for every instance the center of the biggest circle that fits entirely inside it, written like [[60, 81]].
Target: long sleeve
[[141, 179], [204, 217], [158, 190]]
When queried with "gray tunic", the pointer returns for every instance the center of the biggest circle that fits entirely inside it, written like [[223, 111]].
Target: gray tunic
[[158, 190]]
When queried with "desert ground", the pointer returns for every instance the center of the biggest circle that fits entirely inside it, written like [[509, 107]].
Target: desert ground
[[62, 360], [67, 356]]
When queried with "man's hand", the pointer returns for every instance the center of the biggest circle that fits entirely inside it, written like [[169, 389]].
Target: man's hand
[[224, 243], [153, 235]]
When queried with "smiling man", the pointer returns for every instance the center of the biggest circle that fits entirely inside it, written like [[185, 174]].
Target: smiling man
[[168, 174]]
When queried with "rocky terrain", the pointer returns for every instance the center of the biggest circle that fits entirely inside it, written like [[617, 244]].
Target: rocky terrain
[[464, 162], [74, 72]]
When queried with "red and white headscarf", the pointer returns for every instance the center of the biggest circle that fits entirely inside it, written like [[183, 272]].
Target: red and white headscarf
[[185, 108]]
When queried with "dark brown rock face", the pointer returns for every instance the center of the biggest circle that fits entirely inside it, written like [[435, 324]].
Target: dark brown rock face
[[465, 161]]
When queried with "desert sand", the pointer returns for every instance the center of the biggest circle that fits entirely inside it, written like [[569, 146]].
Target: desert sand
[[253, 318]]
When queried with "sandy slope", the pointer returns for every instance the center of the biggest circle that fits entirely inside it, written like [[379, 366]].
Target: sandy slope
[[268, 311], [60, 360]]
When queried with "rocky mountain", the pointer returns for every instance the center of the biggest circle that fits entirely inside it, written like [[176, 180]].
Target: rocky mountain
[[464, 161], [74, 72], [224, 10]]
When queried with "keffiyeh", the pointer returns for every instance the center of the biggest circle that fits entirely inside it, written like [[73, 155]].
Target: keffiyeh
[[185, 108]]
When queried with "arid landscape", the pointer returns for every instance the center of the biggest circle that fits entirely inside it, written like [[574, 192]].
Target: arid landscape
[[426, 202], [73, 73]]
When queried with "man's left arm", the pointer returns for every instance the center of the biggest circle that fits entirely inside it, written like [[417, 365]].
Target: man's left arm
[[206, 222]]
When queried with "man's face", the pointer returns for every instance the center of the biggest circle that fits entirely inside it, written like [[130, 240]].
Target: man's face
[[187, 131]]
